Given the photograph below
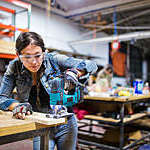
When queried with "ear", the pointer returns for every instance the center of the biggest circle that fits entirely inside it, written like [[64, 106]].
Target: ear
[[17, 54]]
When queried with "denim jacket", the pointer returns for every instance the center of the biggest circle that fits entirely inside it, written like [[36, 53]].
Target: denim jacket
[[18, 76]]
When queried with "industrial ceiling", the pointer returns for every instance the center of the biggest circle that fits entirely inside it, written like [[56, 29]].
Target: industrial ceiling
[[110, 16]]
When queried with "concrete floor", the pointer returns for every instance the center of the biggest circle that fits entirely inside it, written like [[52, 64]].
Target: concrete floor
[[20, 145]]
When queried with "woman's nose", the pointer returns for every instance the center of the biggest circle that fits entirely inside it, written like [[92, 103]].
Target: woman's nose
[[33, 60]]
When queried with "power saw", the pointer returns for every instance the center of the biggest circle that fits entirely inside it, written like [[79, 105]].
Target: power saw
[[59, 96]]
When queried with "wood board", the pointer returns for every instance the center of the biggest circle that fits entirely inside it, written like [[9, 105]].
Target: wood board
[[35, 117], [7, 47], [125, 120], [118, 99], [10, 125]]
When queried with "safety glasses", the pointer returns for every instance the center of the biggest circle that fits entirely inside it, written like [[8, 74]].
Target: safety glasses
[[30, 58]]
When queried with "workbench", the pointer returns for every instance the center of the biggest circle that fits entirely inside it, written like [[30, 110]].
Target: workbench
[[121, 122], [12, 130]]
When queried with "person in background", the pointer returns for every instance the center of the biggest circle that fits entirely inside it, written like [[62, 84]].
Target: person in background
[[31, 74], [91, 85], [104, 77], [107, 73]]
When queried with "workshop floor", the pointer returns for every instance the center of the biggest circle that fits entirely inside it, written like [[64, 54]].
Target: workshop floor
[[20, 145]]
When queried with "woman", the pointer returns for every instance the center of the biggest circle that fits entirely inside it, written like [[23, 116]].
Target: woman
[[103, 80], [31, 73]]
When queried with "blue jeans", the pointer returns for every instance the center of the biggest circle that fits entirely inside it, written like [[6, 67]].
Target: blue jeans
[[63, 136]]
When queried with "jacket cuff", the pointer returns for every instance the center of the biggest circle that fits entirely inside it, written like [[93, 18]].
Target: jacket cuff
[[5, 105], [82, 66], [87, 67]]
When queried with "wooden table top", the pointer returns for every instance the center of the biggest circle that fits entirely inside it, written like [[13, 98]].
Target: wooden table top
[[118, 99], [10, 125]]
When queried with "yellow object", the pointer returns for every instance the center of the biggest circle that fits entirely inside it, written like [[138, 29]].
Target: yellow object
[[124, 93]]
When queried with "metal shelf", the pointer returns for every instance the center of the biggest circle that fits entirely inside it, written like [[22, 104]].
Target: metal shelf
[[9, 30], [120, 124]]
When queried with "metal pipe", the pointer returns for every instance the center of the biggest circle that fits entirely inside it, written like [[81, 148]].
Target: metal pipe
[[119, 22], [112, 27], [100, 7], [123, 37], [115, 21]]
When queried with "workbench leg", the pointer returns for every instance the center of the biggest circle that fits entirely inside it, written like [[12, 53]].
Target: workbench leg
[[91, 126], [44, 144], [122, 127]]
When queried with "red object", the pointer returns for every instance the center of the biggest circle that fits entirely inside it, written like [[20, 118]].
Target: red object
[[80, 113], [115, 45], [7, 9], [9, 33], [9, 56], [12, 28], [119, 62]]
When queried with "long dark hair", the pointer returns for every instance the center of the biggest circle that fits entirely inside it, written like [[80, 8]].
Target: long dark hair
[[26, 38]]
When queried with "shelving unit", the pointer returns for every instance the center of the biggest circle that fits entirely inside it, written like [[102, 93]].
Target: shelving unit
[[120, 123], [9, 30], [115, 121]]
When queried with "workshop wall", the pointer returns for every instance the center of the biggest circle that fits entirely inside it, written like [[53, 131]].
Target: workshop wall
[[57, 32]]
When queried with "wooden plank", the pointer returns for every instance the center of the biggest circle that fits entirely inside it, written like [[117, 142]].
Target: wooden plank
[[38, 118], [138, 97], [98, 118], [118, 99], [143, 122], [132, 98], [11, 126], [99, 98], [134, 116], [42, 119], [7, 47]]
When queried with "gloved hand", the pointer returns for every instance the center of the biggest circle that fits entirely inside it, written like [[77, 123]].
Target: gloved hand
[[71, 79], [83, 79], [22, 108]]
